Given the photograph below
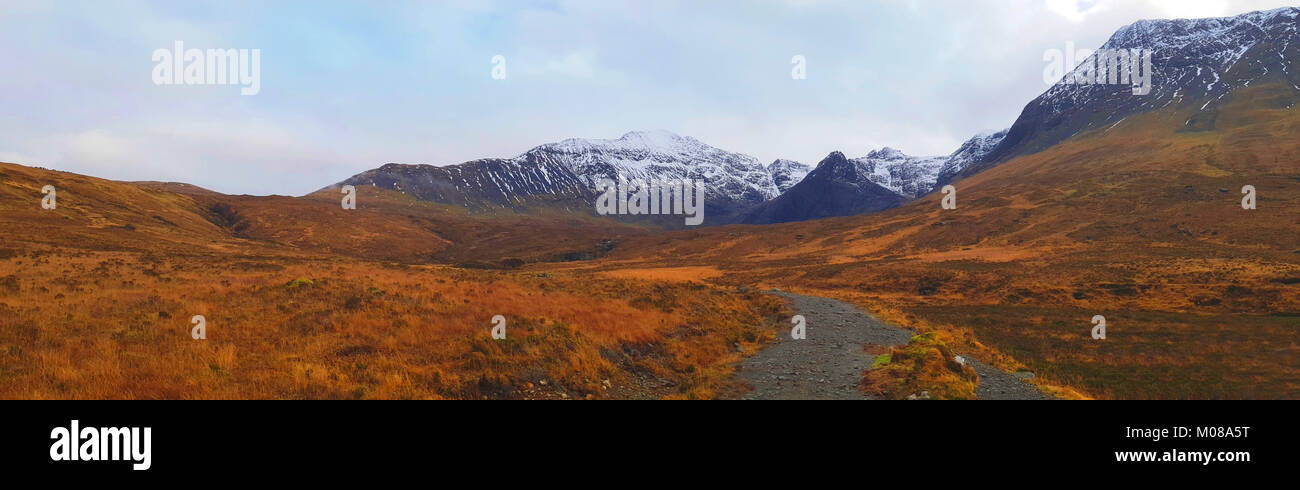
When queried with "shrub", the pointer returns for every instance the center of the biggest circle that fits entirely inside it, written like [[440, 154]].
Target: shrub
[[225, 216], [298, 283], [925, 364]]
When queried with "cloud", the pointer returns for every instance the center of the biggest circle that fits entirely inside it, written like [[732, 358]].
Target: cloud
[[573, 64], [1082, 10], [1076, 10], [244, 156], [21, 158], [1191, 9]]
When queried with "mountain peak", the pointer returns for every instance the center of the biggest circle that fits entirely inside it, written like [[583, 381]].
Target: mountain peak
[[653, 135], [908, 176], [657, 139], [787, 173], [660, 142], [1254, 17], [989, 133], [886, 153], [837, 187]]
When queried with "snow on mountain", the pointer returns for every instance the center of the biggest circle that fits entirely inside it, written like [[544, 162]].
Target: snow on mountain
[[1196, 63], [567, 173], [972, 152], [650, 155], [787, 173], [907, 176], [912, 177], [1197, 59]]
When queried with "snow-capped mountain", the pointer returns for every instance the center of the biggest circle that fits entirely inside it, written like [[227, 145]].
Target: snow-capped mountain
[[911, 177], [1197, 63], [908, 176], [568, 173], [1202, 59], [649, 155], [787, 173]]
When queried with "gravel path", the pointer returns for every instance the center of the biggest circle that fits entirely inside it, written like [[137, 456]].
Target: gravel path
[[996, 384], [828, 364]]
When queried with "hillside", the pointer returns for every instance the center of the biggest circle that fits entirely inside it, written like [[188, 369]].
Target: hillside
[[99, 214], [1196, 65]]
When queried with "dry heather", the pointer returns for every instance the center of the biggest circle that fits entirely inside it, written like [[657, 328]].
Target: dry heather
[[304, 301], [117, 325]]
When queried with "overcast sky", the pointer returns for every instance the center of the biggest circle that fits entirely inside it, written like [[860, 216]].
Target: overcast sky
[[348, 86]]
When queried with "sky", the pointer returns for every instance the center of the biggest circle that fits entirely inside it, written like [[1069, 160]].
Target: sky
[[349, 86]]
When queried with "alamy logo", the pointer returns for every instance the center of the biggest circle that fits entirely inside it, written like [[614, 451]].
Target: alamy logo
[[498, 327], [1100, 67], [498, 67], [102, 444], [212, 67], [349, 197], [653, 197], [1099, 327], [50, 201], [200, 330]]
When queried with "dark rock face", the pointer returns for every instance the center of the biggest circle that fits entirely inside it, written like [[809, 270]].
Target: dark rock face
[[837, 187], [1197, 63], [480, 183]]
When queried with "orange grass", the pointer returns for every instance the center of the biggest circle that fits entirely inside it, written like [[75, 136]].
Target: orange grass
[[117, 325]]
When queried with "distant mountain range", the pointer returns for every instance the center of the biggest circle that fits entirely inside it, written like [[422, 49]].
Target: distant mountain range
[[1197, 63], [737, 186], [567, 174]]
